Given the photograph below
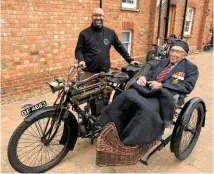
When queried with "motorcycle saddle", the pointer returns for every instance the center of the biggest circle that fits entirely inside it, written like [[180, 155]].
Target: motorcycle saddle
[[118, 78], [131, 68]]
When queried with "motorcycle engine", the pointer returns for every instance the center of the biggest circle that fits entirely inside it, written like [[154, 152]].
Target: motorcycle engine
[[93, 110], [98, 104]]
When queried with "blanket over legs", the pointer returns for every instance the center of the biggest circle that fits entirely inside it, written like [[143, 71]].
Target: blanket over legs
[[140, 114]]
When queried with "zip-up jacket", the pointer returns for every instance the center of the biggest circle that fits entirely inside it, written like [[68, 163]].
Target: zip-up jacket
[[94, 45]]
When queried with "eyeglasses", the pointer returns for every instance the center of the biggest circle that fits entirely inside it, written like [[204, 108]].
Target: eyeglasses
[[98, 15], [177, 51]]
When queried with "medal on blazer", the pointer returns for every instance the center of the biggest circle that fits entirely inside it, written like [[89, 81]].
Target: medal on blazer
[[177, 76], [174, 81]]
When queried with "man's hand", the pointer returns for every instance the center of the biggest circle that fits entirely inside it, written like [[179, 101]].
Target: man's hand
[[82, 64], [134, 62], [154, 84], [142, 81]]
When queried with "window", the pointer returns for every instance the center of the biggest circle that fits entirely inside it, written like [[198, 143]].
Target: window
[[126, 40], [129, 4], [158, 2], [188, 21]]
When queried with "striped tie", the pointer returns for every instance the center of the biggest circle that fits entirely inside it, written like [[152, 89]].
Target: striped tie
[[163, 73]]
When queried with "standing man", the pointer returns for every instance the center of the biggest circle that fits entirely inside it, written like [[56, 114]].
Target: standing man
[[94, 43]]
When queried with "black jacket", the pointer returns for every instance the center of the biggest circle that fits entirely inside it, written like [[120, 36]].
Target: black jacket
[[94, 45]]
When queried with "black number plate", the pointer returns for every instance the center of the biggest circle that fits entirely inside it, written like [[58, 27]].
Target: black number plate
[[33, 108]]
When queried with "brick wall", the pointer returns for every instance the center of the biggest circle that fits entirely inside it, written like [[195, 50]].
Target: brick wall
[[207, 23], [39, 37], [201, 23], [137, 21], [38, 41]]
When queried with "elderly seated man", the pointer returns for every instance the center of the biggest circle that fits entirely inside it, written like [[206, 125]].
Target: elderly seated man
[[142, 112]]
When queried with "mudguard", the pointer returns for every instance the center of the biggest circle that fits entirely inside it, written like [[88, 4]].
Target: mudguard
[[72, 121], [188, 106], [182, 118], [39, 112]]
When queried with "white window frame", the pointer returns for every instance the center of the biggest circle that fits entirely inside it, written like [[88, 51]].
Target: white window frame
[[130, 40], [187, 31], [128, 5], [158, 3]]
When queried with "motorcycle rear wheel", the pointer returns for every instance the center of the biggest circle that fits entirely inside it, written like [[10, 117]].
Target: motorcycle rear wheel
[[26, 141]]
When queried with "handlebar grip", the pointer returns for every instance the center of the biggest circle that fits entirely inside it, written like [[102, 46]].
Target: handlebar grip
[[79, 65]]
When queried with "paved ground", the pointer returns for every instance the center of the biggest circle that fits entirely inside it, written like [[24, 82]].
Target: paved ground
[[82, 159]]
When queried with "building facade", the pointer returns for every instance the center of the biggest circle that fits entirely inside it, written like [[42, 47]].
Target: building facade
[[38, 37]]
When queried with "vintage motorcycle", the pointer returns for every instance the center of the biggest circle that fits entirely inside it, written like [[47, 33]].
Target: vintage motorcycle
[[48, 133]]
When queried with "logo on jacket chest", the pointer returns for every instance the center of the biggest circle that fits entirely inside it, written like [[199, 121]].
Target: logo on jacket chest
[[106, 41]]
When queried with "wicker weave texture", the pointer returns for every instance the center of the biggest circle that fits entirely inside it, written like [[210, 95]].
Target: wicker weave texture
[[112, 152]]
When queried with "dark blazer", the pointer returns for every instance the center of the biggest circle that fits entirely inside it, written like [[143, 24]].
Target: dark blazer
[[181, 79]]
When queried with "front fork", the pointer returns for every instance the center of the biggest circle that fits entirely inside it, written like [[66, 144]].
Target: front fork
[[49, 133]]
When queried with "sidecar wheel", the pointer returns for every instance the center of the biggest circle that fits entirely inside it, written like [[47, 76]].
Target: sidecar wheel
[[27, 152], [188, 134]]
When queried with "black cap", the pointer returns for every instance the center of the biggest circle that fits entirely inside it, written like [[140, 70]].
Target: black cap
[[182, 44]]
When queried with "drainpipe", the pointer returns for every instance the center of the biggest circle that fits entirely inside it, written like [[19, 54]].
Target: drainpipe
[[184, 19], [100, 3], [159, 25], [167, 21]]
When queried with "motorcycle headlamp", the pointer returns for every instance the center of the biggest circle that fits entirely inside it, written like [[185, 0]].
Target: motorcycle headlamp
[[56, 85]]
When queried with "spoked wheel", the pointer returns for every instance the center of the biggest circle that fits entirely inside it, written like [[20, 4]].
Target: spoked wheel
[[208, 47], [33, 148], [189, 133]]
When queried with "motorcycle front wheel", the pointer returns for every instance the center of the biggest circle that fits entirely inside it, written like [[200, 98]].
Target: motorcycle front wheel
[[28, 150]]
